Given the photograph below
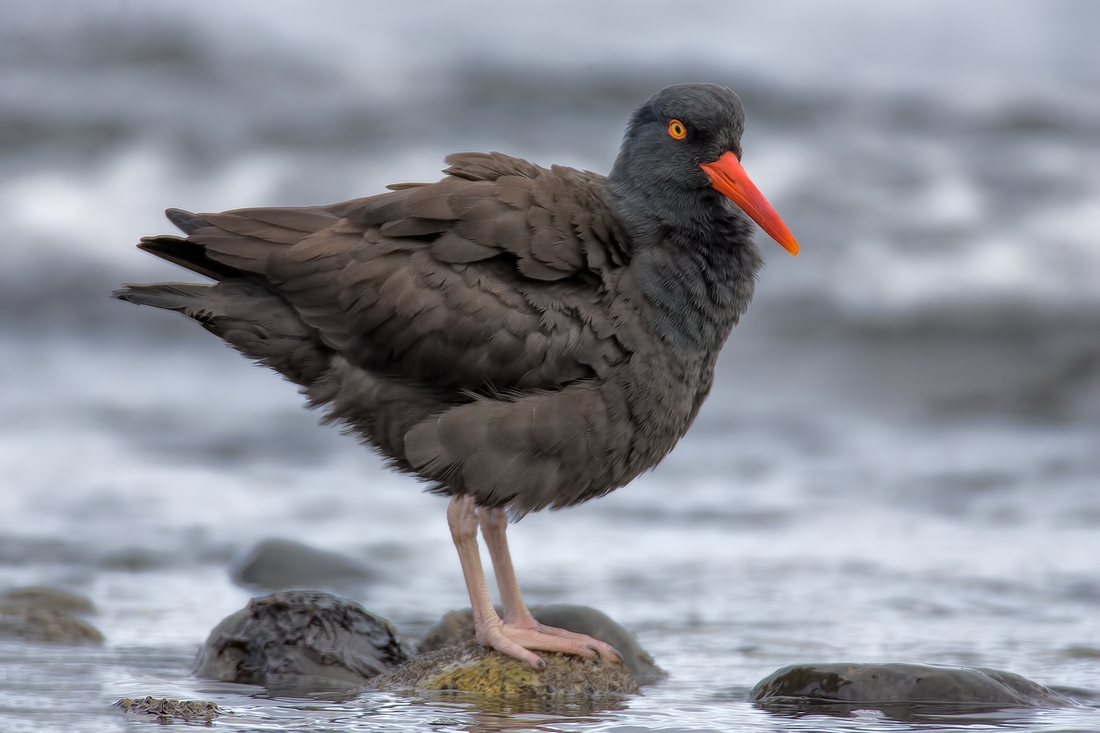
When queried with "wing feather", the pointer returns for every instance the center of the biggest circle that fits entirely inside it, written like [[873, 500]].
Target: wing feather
[[496, 277]]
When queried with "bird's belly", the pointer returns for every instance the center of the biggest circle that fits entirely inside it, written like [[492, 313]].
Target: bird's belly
[[664, 394]]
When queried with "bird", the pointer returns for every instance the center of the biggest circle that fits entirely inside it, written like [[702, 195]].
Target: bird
[[517, 337]]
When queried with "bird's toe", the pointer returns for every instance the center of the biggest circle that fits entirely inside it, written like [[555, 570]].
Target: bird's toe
[[537, 639], [604, 649], [496, 637]]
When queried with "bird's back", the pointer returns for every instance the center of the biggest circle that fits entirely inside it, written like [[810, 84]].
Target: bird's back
[[483, 332]]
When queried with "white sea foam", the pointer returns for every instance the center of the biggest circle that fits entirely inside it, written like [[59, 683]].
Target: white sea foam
[[982, 272], [980, 50], [911, 211], [96, 213]]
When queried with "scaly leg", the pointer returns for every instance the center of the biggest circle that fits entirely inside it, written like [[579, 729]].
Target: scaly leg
[[520, 624], [462, 519], [489, 629]]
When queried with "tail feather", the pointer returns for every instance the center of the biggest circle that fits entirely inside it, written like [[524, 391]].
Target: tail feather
[[240, 308], [252, 319], [180, 297], [185, 221], [187, 254]]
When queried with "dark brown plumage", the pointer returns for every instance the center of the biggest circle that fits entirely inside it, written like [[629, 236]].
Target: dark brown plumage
[[526, 336]]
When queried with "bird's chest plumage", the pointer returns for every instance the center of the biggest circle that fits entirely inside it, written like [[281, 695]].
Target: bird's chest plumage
[[682, 315]]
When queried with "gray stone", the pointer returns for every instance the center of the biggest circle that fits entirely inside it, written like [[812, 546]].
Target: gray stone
[[888, 686], [275, 564], [301, 641], [46, 615], [457, 627]]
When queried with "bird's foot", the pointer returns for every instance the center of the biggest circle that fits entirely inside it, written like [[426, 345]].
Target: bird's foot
[[517, 640]]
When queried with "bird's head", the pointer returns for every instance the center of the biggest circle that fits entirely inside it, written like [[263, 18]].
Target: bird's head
[[686, 141]]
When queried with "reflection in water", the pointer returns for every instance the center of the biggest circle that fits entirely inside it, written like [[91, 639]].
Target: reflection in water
[[481, 713], [921, 715]]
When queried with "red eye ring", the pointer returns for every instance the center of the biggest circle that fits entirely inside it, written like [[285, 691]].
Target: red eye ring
[[677, 130]]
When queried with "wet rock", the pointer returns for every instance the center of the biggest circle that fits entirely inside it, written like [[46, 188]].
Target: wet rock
[[879, 685], [598, 625], [165, 710], [281, 564], [470, 667], [137, 560], [1080, 651], [49, 599], [47, 615], [48, 626], [457, 627], [301, 641]]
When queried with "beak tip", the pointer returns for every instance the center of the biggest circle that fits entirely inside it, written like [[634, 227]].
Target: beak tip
[[729, 178], [787, 241]]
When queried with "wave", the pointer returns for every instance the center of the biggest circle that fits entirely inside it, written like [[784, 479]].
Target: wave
[[949, 182]]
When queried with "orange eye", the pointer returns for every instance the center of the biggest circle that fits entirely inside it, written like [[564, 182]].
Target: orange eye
[[677, 129]]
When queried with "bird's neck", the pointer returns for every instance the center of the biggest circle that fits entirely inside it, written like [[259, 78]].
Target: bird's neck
[[695, 262]]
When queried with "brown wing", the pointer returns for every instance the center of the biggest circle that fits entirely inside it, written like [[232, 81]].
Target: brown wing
[[499, 277]]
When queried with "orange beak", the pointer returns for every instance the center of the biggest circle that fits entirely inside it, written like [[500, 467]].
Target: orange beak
[[730, 179]]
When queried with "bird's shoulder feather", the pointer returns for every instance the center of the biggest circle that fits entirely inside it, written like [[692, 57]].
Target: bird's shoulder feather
[[499, 277]]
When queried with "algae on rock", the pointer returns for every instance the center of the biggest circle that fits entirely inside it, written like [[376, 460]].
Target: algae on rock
[[47, 615], [457, 627], [470, 667], [165, 710]]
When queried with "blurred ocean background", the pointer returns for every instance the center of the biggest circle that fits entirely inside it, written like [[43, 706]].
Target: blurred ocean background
[[901, 457]]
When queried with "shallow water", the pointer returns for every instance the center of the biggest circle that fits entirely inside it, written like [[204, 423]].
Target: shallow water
[[901, 457]]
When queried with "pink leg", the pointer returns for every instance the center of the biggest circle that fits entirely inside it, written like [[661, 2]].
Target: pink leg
[[519, 624], [462, 518]]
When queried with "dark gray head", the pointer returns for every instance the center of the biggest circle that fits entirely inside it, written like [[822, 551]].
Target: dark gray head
[[680, 157], [712, 118]]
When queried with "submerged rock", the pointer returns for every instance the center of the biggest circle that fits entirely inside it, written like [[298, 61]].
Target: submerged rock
[[301, 640], [47, 615], [281, 565], [166, 710], [470, 667], [457, 627], [878, 685]]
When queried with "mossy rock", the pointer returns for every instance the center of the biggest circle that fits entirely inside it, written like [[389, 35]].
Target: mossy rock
[[166, 710], [46, 615], [457, 627], [470, 667], [48, 599]]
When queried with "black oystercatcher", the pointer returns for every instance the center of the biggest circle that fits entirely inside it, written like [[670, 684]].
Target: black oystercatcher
[[517, 337]]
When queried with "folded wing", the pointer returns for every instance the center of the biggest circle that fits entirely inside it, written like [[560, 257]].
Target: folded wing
[[497, 278]]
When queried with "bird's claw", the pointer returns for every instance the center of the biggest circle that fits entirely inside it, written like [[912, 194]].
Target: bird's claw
[[520, 642], [602, 648]]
